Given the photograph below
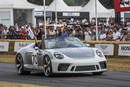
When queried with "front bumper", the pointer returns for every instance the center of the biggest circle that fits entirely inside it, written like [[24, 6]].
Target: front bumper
[[84, 66]]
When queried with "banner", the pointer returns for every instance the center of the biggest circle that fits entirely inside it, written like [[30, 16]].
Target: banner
[[124, 50], [19, 45], [4, 46], [38, 13], [77, 14], [122, 5], [107, 49]]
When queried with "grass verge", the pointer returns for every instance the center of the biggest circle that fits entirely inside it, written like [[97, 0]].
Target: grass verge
[[6, 84], [114, 64], [7, 60], [119, 64]]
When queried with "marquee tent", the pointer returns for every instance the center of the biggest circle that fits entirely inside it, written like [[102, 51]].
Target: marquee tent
[[102, 12], [13, 9], [17, 4], [9, 7], [61, 6], [58, 5]]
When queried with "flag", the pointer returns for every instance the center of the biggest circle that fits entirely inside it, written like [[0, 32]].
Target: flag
[[30, 33], [122, 5]]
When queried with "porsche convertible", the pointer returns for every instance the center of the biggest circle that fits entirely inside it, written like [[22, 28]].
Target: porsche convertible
[[60, 55]]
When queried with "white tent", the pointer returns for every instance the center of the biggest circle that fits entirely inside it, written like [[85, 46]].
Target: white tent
[[7, 8], [61, 6], [75, 8], [17, 4], [58, 5], [102, 12]]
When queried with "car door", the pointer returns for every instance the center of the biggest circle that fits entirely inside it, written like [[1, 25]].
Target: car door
[[37, 57], [33, 56], [40, 55]]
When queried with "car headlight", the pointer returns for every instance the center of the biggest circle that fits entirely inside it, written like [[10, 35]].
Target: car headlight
[[58, 55], [99, 53]]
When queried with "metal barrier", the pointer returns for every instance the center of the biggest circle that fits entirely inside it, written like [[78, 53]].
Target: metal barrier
[[109, 48]]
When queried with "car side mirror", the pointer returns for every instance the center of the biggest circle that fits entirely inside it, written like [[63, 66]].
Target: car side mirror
[[36, 48]]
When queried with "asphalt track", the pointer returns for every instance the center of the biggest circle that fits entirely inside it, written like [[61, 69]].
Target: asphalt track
[[108, 79]]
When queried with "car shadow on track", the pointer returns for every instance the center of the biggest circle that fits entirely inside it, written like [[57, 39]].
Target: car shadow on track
[[66, 75]]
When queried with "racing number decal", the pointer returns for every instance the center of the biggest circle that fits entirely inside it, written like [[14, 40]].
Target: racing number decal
[[34, 60]]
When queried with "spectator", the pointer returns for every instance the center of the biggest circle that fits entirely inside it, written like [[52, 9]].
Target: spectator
[[128, 35], [83, 29], [73, 32], [109, 35], [39, 32], [24, 33], [12, 33], [52, 32], [87, 34], [102, 35], [116, 35], [18, 31], [93, 36], [81, 34], [70, 32], [124, 33], [59, 32], [4, 33], [64, 33], [1, 30]]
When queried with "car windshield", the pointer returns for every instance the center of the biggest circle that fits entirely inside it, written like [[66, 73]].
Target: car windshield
[[67, 42]]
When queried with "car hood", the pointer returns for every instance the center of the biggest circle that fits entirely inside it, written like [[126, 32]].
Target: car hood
[[82, 52]]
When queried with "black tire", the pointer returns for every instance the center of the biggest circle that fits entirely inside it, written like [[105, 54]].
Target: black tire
[[20, 66], [47, 66], [98, 73]]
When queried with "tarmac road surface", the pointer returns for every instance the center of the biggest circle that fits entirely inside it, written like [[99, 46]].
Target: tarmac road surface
[[108, 79]]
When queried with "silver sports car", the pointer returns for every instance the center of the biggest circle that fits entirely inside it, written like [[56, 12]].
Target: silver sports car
[[60, 55]]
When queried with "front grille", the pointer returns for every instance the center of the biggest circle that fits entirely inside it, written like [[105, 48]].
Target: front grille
[[85, 68], [63, 67], [103, 65], [97, 67], [72, 69]]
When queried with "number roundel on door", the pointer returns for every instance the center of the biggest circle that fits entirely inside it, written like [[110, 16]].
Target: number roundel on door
[[34, 60]]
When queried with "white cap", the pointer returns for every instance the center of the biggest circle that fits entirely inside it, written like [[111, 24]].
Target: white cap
[[22, 27]]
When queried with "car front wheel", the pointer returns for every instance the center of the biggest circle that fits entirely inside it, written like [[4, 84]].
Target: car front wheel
[[20, 65], [47, 66]]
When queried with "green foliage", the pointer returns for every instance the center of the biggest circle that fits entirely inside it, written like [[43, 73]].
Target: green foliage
[[40, 2], [107, 3], [76, 2]]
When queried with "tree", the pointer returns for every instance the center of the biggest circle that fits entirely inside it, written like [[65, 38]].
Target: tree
[[40, 2], [106, 3], [76, 2]]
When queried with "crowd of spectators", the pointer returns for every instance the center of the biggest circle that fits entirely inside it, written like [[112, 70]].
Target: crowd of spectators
[[83, 29]]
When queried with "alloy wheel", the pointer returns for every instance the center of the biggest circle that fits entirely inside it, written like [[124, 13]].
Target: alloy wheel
[[47, 66]]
